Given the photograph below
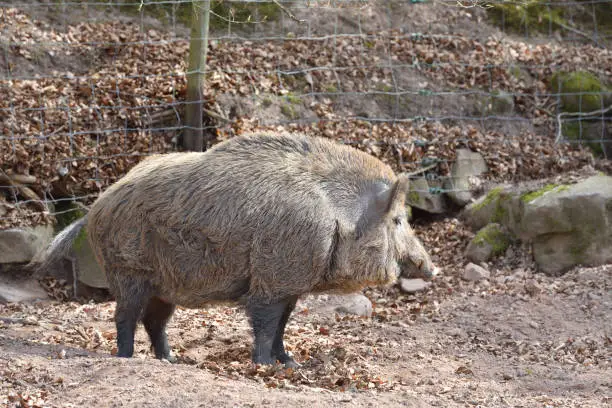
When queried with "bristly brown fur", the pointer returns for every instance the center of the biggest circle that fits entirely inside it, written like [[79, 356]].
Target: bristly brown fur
[[254, 217]]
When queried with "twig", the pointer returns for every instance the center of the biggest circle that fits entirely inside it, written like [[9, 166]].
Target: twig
[[421, 170], [288, 12], [576, 31], [579, 114], [215, 115]]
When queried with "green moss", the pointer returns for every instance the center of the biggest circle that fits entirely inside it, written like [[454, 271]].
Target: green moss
[[267, 101], [409, 212], [579, 91], [369, 44], [81, 240], [492, 196], [493, 235], [293, 98], [413, 197], [385, 88], [583, 131], [529, 197], [500, 210], [530, 15], [289, 111]]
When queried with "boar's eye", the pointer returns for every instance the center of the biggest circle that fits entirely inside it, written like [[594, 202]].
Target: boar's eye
[[397, 220]]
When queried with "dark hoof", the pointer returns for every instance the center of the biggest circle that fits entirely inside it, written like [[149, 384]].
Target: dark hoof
[[169, 358], [291, 363]]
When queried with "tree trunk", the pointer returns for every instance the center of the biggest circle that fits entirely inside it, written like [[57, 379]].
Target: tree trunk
[[193, 138]]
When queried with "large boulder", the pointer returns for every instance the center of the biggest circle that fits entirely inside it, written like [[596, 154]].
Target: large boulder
[[464, 177], [570, 225], [583, 92], [20, 291], [567, 225], [20, 245]]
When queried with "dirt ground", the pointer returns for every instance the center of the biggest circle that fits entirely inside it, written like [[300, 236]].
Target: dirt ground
[[518, 339]]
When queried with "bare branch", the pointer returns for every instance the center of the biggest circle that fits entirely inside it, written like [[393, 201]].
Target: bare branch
[[288, 12]]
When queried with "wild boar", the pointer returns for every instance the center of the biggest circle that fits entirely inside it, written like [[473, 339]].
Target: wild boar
[[259, 220]]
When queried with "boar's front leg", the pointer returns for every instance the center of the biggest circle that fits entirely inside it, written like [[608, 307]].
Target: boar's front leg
[[268, 321], [278, 346]]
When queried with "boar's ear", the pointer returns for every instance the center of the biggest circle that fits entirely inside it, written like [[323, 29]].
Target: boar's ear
[[379, 203], [397, 193]]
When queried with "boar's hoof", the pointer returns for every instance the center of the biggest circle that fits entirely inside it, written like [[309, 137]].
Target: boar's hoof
[[291, 363], [169, 358]]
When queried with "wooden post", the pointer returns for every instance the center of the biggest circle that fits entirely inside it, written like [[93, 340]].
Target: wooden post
[[193, 138]]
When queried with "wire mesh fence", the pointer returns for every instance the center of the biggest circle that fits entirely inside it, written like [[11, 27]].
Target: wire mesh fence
[[89, 88]]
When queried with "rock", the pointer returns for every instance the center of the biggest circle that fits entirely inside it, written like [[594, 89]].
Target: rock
[[79, 262], [570, 225], [20, 245], [592, 133], [475, 273], [567, 225], [354, 304], [413, 285], [580, 91], [490, 241], [330, 304], [20, 291], [464, 179], [486, 209], [420, 196], [88, 270]]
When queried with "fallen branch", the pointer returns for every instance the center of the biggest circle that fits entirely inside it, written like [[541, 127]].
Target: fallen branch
[[24, 191]]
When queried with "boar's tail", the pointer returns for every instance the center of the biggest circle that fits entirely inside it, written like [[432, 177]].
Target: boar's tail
[[51, 260]]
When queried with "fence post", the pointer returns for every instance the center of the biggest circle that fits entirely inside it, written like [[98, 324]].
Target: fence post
[[193, 139]]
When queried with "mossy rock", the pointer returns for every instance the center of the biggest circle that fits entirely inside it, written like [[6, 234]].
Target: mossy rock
[[491, 241], [530, 15], [589, 133], [580, 91], [532, 195], [492, 207]]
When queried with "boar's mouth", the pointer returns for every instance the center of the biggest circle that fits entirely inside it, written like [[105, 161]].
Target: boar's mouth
[[418, 269]]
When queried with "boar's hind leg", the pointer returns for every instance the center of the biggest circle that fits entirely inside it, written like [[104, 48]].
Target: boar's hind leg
[[268, 321], [278, 347], [155, 318], [132, 296]]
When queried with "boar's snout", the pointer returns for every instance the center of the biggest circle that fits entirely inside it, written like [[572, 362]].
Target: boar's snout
[[419, 268]]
